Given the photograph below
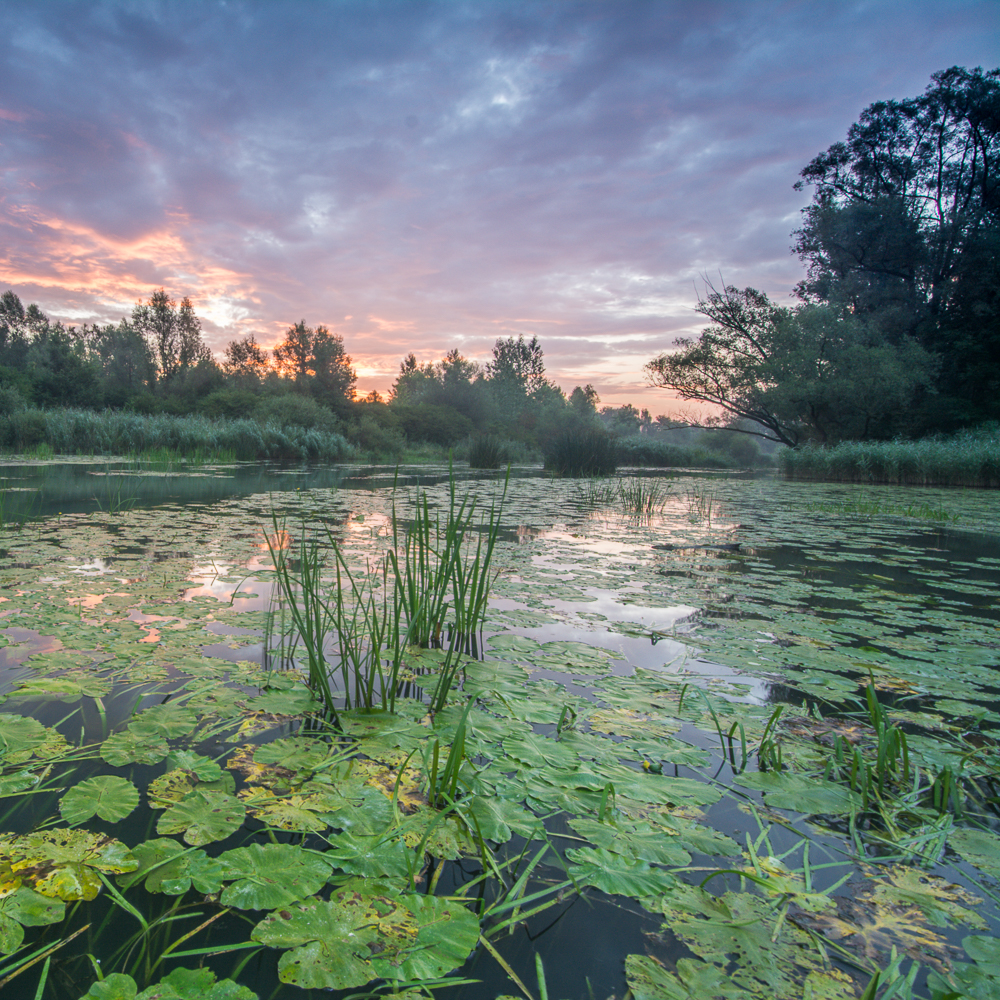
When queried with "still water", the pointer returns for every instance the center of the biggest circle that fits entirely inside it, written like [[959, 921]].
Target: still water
[[625, 683]]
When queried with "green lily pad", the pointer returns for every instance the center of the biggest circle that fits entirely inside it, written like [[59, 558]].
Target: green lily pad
[[107, 796], [176, 785], [203, 817], [120, 749], [203, 768], [617, 875], [270, 875], [370, 857], [181, 984], [979, 847], [693, 980], [356, 937], [25, 908], [169, 868], [802, 794], [22, 738], [168, 720]]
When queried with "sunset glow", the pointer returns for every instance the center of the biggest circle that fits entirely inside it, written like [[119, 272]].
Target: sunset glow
[[438, 176]]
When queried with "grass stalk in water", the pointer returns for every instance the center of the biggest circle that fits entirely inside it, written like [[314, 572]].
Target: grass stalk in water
[[436, 570]]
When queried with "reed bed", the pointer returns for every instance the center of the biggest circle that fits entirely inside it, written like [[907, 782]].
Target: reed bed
[[117, 432], [638, 452], [429, 589], [633, 496], [971, 458]]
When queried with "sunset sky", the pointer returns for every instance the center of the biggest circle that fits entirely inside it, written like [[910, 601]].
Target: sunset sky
[[427, 175]]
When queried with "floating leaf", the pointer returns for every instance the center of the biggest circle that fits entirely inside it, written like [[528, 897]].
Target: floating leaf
[[169, 868], [285, 812], [203, 768], [799, 793], [120, 749], [271, 875], [357, 937], [203, 817], [694, 980], [617, 875], [370, 857], [176, 785], [22, 738], [65, 863], [107, 796], [25, 908]]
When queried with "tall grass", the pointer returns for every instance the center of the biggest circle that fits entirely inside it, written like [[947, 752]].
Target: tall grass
[[116, 432], [433, 564], [433, 579], [488, 451], [971, 458], [589, 451], [637, 451], [634, 496]]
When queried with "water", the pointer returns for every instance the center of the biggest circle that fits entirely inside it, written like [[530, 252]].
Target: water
[[157, 583]]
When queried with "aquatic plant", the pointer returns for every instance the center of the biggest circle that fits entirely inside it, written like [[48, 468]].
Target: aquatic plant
[[162, 437], [971, 458], [488, 451], [585, 451], [634, 496], [436, 568], [869, 506]]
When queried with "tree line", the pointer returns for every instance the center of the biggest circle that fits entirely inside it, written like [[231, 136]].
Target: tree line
[[156, 361], [896, 328]]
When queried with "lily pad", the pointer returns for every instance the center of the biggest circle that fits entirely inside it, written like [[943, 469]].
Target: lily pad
[[270, 875], [107, 796], [64, 863], [169, 868], [356, 937], [22, 738], [802, 794], [120, 749], [25, 908], [617, 875], [203, 817]]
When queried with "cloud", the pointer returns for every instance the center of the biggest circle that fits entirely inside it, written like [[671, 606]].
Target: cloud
[[441, 173]]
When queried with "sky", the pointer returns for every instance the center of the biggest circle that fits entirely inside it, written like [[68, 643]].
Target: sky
[[421, 175]]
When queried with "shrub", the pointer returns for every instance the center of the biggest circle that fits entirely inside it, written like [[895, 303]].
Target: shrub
[[488, 451], [582, 452]]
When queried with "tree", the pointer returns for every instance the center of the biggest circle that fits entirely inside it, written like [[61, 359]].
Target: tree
[[905, 230], [516, 371], [317, 362], [124, 360], [174, 334], [812, 373], [584, 400], [245, 360]]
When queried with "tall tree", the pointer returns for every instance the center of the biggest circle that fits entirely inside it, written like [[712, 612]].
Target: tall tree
[[245, 360], [317, 362], [812, 373], [515, 373], [905, 229], [173, 333]]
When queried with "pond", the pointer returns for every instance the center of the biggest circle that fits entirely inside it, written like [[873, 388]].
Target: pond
[[716, 736]]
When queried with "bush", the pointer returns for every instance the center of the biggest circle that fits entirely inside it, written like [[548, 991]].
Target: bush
[[582, 452], [433, 423], [489, 451], [291, 410]]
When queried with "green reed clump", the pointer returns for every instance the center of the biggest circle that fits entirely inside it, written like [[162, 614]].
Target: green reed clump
[[971, 458], [637, 451], [634, 496], [588, 451], [116, 432], [489, 451], [436, 569]]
